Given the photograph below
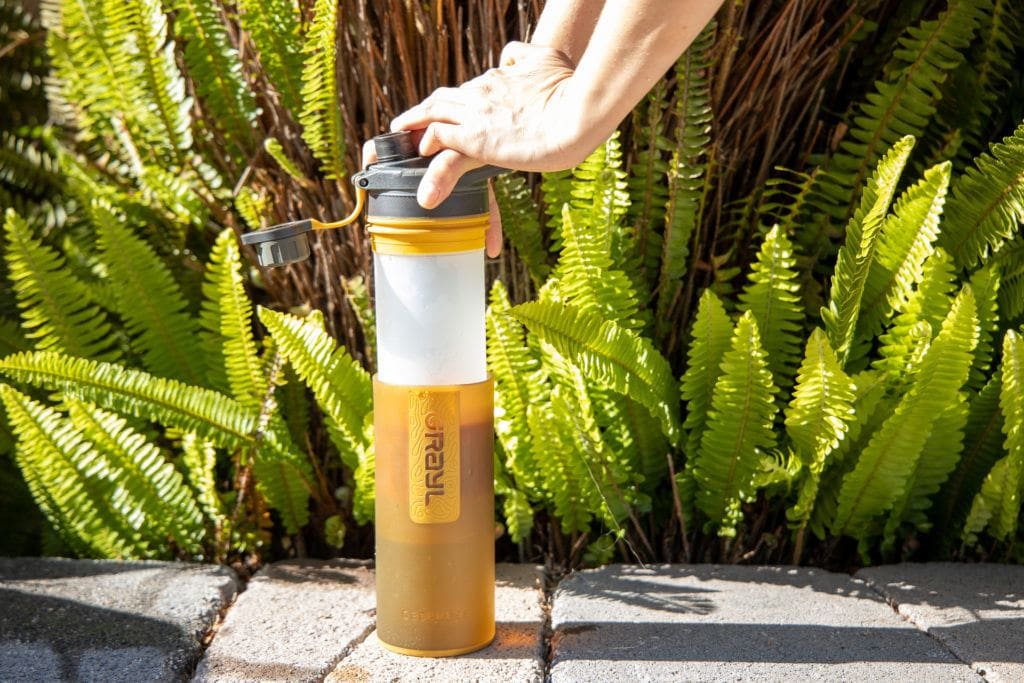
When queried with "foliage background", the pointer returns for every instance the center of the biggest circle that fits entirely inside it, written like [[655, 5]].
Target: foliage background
[[138, 137]]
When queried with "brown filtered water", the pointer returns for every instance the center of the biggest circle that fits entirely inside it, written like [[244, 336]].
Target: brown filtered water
[[435, 582]]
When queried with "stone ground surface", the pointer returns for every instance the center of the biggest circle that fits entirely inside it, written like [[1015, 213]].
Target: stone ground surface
[[314, 621]]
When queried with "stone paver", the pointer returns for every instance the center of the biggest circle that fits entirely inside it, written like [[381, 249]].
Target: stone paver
[[86, 620], [976, 610], [294, 622], [736, 623], [515, 655]]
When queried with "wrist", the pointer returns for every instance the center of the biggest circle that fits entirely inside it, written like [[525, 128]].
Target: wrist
[[589, 119]]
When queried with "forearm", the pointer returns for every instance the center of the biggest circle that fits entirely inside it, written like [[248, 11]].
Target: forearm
[[567, 25], [631, 47]]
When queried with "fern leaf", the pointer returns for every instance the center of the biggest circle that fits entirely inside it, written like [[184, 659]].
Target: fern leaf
[[273, 26], [986, 283], [358, 297], [687, 174], [200, 461], [820, 413], [885, 465], [709, 340], [556, 455], [905, 342], [518, 383], [68, 479], [139, 33], [1010, 262], [739, 429], [320, 116], [55, 308], [215, 68], [227, 318], [150, 302], [609, 354], [904, 102], [341, 387], [586, 275], [771, 295], [986, 204], [518, 515], [150, 492], [647, 172], [521, 224], [556, 189], [857, 253], [905, 241], [1003, 524]]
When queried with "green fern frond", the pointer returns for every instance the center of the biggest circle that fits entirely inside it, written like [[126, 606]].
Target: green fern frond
[[215, 68], [518, 383], [647, 172], [904, 102], [69, 479], [709, 340], [986, 283], [556, 189], [26, 168], [322, 127], [557, 458], [858, 251], [634, 435], [687, 171], [906, 341], [819, 415], [358, 296], [997, 506], [149, 301], [883, 470], [273, 26], [610, 355], [938, 459], [983, 446], [1010, 262], [273, 147], [342, 388], [771, 294], [518, 514], [739, 429], [1005, 508], [150, 493], [905, 241], [114, 387], [199, 459], [56, 310], [586, 276], [521, 224], [227, 320], [138, 31], [986, 204]]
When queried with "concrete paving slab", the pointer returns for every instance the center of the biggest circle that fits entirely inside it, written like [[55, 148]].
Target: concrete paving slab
[[86, 620], [736, 623], [515, 655], [976, 610], [295, 621]]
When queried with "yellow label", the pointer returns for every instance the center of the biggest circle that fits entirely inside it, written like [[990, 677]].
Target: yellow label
[[434, 456]]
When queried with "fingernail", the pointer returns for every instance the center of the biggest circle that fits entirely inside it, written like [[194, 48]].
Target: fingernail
[[428, 194]]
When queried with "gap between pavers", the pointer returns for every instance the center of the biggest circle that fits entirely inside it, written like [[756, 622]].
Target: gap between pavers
[[672, 622], [87, 620], [515, 655], [295, 621], [976, 610]]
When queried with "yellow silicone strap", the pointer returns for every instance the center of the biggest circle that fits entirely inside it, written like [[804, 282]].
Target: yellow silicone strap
[[360, 202]]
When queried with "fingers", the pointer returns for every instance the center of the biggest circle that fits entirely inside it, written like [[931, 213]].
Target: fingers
[[494, 237], [440, 136], [445, 104], [444, 171]]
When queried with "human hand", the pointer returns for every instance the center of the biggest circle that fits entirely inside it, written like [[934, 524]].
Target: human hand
[[520, 115], [494, 239]]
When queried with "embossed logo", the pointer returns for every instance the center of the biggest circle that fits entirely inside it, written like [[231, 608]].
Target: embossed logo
[[434, 492]]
